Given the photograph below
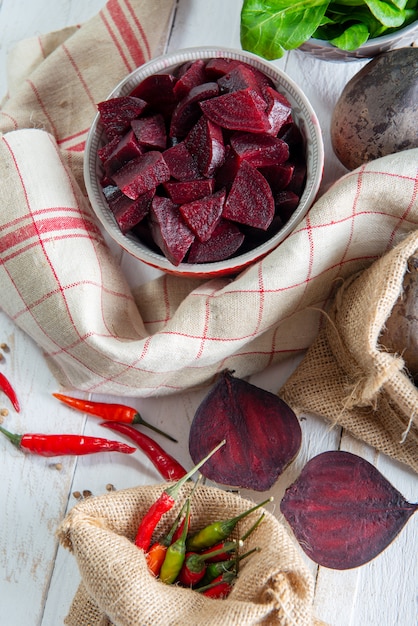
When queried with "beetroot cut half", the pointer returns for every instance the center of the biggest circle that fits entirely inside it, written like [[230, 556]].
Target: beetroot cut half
[[343, 511], [262, 434]]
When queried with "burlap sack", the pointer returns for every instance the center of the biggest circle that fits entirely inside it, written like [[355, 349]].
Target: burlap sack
[[273, 587], [348, 377]]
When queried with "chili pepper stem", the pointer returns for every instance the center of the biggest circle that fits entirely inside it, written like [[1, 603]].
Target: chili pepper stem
[[138, 419], [15, 439]]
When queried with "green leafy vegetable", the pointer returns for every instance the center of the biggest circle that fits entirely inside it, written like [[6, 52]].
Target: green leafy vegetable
[[270, 27]]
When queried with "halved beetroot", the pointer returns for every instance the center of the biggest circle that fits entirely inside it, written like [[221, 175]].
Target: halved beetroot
[[279, 110], [191, 76], [205, 142], [225, 240], [125, 150], [262, 434], [181, 163], [168, 229], [157, 91], [240, 110], [116, 114], [203, 215], [187, 191], [250, 200], [150, 131], [128, 213], [260, 149], [142, 174], [187, 112]]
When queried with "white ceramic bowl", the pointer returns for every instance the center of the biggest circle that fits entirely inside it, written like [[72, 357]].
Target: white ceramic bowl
[[324, 50], [303, 115]]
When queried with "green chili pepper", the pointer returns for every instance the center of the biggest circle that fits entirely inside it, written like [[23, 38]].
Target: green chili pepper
[[211, 534], [176, 553], [213, 570]]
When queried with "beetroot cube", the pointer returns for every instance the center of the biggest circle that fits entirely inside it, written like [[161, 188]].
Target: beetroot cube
[[126, 149], [250, 200], [105, 151], [187, 112], [225, 175], [203, 215], [297, 182], [192, 76], [128, 213], [168, 229], [243, 76], [150, 131], [278, 176], [157, 91], [240, 110], [279, 110], [226, 239], [286, 203], [205, 143], [182, 192], [260, 149], [181, 163], [116, 114], [142, 174], [217, 67]]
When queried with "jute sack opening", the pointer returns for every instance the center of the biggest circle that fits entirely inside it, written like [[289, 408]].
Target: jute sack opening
[[274, 585], [348, 377]]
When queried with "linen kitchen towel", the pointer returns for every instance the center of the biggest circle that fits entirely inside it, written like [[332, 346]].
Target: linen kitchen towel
[[60, 283]]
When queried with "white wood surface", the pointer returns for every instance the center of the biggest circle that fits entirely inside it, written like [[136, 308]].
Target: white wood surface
[[37, 577]]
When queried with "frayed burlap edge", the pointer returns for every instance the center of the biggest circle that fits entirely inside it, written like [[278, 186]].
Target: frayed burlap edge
[[348, 378], [274, 585]]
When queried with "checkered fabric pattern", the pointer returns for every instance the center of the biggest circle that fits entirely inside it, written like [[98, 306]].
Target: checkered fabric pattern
[[62, 286]]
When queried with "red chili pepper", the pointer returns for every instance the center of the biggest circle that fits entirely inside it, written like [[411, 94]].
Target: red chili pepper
[[158, 550], [163, 504], [195, 564], [109, 411], [220, 587], [7, 388], [218, 552], [213, 570], [169, 468], [57, 445]]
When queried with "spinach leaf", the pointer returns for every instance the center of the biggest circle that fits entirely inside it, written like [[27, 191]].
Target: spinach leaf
[[270, 27]]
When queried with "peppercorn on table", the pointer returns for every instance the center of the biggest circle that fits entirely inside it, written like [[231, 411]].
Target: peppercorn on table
[[38, 577]]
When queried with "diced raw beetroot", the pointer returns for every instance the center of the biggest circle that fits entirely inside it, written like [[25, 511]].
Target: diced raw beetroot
[[225, 175], [286, 203], [193, 75], [181, 163], [224, 242], [279, 110], [128, 213], [126, 149], [203, 215], [260, 149], [278, 176], [219, 66], [142, 174], [205, 143], [157, 90], [297, 182], [250, 200], [188, 111], [150, 131], [291, 134], [187, 191], [240, 110], [243, 76], [116, 114], [168, 229], [105, 151]]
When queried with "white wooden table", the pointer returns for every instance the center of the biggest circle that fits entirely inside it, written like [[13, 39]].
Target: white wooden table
[[37, 577]]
